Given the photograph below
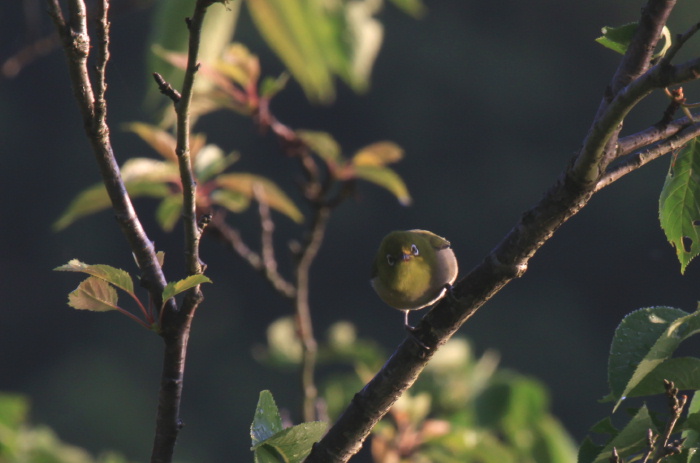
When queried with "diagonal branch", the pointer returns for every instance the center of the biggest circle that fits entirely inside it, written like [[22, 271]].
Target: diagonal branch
[[76, 45], [509, 259]]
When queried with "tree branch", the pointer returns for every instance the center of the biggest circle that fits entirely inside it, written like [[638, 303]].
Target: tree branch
[[177, 324], [303, 310], [76, 45], [510, 258]]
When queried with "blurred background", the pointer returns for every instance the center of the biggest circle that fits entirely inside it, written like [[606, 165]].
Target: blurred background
[[488, 99]]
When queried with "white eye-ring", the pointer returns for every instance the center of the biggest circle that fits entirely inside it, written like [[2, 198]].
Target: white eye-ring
[[390, 259], [414, 250]]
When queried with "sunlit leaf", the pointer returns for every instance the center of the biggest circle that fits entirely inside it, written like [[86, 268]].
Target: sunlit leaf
[[174, 288], [211, 161], [160, 140], [619, 38], [88, 201], [94, 199], [288, 26], [93, 294], [679, 203], [147, 170], [234, 201], [271, 86], [272, 443], [115, 276], [378, 154], [294, 444], [267, 421], [169, 212], [323, 144], [238, 64], [262, 189], [385, 178], [643, 341]]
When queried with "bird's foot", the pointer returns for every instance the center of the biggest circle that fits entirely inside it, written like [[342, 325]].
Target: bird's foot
[[412, 332], [450, 294]]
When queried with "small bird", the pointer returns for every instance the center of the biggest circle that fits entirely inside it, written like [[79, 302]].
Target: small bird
[[413, 269]]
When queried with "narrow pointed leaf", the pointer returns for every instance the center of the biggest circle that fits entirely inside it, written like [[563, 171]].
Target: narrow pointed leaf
[[378, 154], [385, 178], [92, 199], [679, 204], [93, 294], [231, 200], [267, 421], [169, 212], [287, 27], [176, 287], [115, 276], [95, 199], [618, 38], [323, 144], [262, 189], [211, 161], [271, 86], [160, 140]]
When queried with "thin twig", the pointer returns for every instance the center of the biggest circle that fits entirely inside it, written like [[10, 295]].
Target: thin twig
[[232, 237], [176, 324], [303, 310], [637, 159], [166, 89]]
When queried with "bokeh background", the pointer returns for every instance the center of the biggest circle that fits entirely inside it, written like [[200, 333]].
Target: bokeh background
[[489, 100]]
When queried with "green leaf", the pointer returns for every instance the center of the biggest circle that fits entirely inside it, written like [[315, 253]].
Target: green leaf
[[415, 8], [378, 154], [323, 144], [93, 294], [14, 410], [261, 189], [176, 287], [267, 421], [88, 201], [691, 428], [169, 212], [160, 140], [231, 200], [211, 161], [644, 340], [271, 86], [94, 199], [679, 204], [385, 178], [683, 371], [288, 31], [115, 276], [618, 38], [631, 439], [294, 444]]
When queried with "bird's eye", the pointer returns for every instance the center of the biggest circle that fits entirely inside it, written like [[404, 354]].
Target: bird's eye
[[414, 250], [390, 259]]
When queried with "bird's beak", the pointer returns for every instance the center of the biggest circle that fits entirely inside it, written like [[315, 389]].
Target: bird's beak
[[406, 256]]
